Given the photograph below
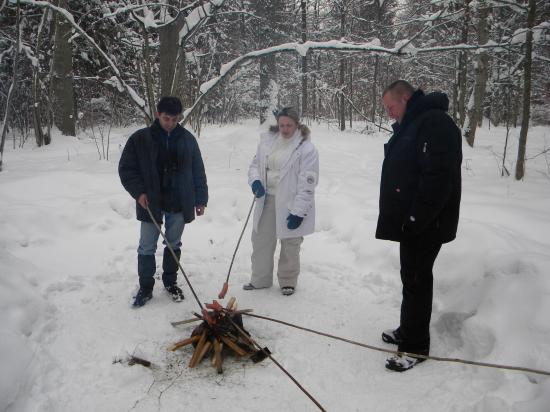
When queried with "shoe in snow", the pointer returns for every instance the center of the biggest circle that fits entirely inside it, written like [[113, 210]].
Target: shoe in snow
[[250, 286], [142, 297], [402, 363], [287, 290], [175, 292], [392, 336]]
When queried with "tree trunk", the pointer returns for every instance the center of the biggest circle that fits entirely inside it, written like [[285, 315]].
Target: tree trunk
[[342, 102], [341, 98], [15, 69], [268, 70], [520, 164], [374, 91], [147, 72], [62, 76], [463, 66], [475, 112], [36, 111], [170, 54], [350, 87], [303, 6]]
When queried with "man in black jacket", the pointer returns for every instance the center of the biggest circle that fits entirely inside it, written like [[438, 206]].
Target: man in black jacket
[[419, 205], [162, 169]]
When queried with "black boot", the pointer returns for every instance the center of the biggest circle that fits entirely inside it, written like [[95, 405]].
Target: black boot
[[146, 272], [170, 267], [170, 274], [142, 297]]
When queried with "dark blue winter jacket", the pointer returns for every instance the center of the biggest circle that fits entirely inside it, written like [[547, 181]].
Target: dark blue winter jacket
[[169, 170], [420, 186]]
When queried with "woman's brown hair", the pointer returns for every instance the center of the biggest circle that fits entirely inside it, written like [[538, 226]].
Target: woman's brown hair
[[293, 114]]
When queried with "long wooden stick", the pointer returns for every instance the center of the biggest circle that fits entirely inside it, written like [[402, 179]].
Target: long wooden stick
[[176, 259], [281, 367], [225, 287], [436, 358]]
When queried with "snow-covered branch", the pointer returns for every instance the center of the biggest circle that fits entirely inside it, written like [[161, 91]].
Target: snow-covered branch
[[198, 17], [514, 5], [117, 79], [134, 7], [401, 48]]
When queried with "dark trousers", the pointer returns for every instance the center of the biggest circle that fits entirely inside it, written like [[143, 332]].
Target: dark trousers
[[417, 260]]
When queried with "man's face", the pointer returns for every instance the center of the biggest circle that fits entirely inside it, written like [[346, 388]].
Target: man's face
[[395, 105], [168, 121]]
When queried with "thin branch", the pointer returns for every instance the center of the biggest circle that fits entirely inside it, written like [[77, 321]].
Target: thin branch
[[539, 154]]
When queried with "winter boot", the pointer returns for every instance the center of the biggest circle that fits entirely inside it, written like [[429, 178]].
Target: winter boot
[[170, 267], [146, 273], [287, 290], [142, 297], [176, 293], [170, 274], [392, 336], [402, 363]]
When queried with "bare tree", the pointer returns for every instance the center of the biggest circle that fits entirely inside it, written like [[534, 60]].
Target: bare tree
[[520, 164], [475, 109], [303, 7], [463, 66], [62, 75], [15, 69], [39, 135]]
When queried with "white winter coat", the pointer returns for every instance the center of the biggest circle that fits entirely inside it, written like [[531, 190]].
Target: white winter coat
[[296, 189]]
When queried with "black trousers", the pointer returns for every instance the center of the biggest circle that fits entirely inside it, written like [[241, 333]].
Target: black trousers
[[417, 260]]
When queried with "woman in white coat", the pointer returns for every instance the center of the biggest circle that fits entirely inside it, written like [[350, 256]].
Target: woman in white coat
[[283, 176]]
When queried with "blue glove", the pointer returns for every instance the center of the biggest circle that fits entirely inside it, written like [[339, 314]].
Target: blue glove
[[257, 188], [293, 221]]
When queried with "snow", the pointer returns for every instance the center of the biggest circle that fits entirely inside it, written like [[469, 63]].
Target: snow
[[68, 256]]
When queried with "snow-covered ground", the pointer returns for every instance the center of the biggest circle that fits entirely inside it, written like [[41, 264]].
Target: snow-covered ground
[[68, 239]]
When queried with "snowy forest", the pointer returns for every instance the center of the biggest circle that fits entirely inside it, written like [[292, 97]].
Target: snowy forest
[[78, 78], [85, 66]]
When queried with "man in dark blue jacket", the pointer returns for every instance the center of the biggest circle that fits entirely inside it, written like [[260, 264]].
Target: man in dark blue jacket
[[162, 169], [419, 205]]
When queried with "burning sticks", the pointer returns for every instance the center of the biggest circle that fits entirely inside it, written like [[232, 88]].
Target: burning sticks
[[220, 333]]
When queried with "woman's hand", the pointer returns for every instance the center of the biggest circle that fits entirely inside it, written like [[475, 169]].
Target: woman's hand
[[293, 221], [258, 188]]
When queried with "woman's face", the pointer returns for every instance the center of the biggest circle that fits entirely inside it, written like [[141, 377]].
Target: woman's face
[[287, 126]]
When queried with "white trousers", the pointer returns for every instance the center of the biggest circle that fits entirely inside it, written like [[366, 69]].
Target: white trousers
[[264, 242]]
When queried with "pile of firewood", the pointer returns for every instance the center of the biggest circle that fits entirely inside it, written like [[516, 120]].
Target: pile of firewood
[[220, 333]]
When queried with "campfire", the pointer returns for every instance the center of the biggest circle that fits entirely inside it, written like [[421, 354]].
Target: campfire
[[220, 333]]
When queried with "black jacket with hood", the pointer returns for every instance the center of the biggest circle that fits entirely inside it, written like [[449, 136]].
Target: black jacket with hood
[[142, 169], [420, 186]]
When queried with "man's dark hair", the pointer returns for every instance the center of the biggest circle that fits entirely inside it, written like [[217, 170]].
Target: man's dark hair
[[399, 88], [170, 105]]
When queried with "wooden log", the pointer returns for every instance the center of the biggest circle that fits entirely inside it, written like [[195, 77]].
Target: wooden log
[[198, 348], [134, 359], [204, 351], [184, 342], [231, 302], [218, 359], [183, 322], [233, 346]]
